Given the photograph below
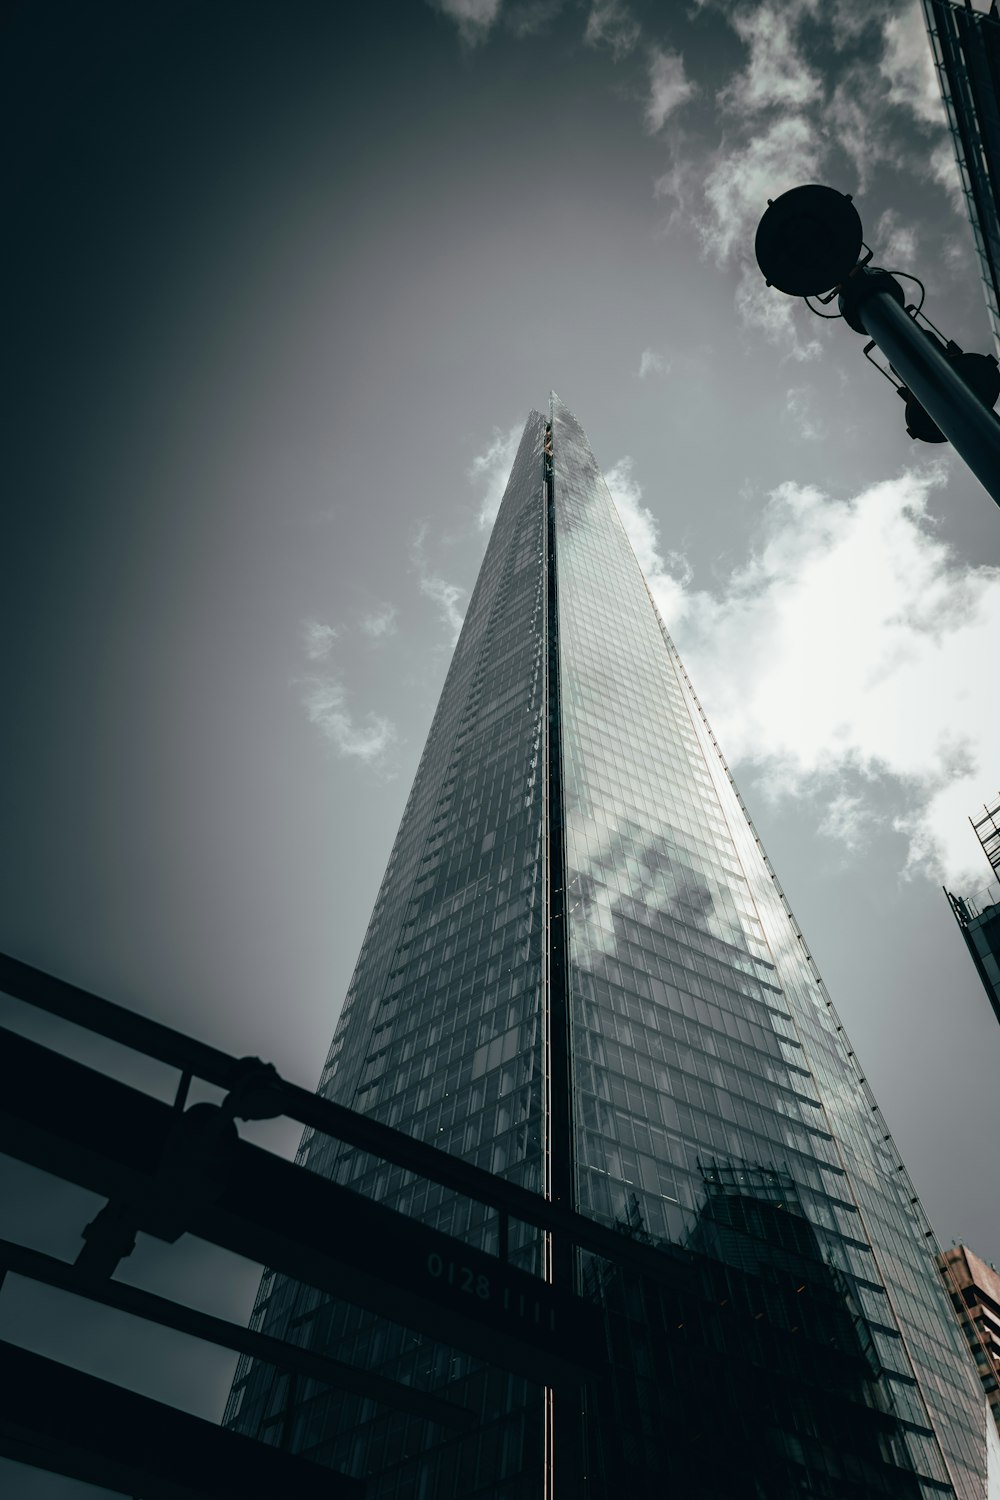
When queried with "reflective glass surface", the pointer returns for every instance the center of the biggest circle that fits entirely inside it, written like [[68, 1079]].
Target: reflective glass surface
[[701, 1030]]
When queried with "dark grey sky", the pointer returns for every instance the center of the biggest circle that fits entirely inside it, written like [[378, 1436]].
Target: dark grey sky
[[282, 281]]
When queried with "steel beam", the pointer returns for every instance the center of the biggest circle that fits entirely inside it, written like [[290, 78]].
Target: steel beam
[[23, 1261], [365, 1133], [69, 1120], [56, 1418]]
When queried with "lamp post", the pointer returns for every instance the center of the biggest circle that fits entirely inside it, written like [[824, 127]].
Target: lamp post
[[809, 244]]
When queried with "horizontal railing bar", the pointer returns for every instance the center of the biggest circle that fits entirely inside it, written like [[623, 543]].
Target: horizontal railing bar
[[117, 1023], [60, 1419], [140, 1303], [167, 1174], [363, 1132]]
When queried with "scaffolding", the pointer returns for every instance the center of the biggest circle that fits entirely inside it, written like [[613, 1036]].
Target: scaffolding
[[987, 831]]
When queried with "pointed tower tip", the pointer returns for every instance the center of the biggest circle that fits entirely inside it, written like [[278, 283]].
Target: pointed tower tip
[[559, 409]]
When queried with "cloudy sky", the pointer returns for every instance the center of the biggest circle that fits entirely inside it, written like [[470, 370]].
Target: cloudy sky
[[286, 280]]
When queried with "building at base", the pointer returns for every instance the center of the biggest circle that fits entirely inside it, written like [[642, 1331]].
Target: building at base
[[974, 1288]]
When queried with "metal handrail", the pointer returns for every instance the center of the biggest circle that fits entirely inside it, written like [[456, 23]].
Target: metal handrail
[[198, 1059]]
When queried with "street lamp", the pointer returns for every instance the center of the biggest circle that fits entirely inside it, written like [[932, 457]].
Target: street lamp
[[809, 245]]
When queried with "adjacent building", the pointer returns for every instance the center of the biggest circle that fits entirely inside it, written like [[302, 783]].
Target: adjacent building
[[974, 1288], [978, 915], [966, 47], [581, 974]]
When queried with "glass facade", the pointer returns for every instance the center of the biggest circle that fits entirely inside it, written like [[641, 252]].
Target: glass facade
[[700, 1027], [581, 973], [966, 47]]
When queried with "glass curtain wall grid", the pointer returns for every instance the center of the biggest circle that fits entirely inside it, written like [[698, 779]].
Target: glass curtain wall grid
[[966, 48], [582, 974]]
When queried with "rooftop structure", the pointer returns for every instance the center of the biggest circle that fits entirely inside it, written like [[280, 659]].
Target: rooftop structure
[[966, 47], [978, 915]]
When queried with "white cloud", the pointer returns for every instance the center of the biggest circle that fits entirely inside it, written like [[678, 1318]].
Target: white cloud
[[848, 820], [381, 622], [617, 842], [742, 179], [490, 471], [527, 18], [863, 126], [641, 528], [774, 315], [958, 256], [895, 243], [908, 68], [447, 596], [850, 19], [668, 88], [611, 24], [682, 183], [801, 408], [679, 181], [651, 363], [818, 98], [845, 658], [366, 739], [474, 18], [776, 74], [325, 700], [794, 114], [738, 185], [317, 639], [943, 169]]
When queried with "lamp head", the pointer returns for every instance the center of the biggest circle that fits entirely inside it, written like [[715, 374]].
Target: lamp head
[[808, 240]]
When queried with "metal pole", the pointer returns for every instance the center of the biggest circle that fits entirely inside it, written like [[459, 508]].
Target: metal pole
[[971, 428]]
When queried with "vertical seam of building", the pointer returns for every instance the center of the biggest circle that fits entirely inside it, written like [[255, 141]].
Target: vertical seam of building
[[558, 1071]]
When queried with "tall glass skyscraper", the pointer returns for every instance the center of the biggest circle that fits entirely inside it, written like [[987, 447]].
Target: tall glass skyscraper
[[581, 974]]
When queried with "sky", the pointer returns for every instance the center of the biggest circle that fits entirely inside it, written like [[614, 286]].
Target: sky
[[285, 282]]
